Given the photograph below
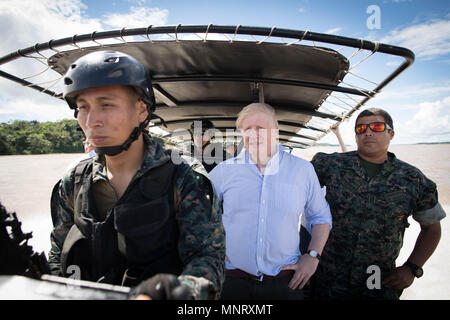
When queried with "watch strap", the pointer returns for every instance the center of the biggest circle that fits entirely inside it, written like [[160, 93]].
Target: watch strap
[[416, 270], [314, 254]]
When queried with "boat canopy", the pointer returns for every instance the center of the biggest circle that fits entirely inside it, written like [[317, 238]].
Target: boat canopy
[[214, 74]]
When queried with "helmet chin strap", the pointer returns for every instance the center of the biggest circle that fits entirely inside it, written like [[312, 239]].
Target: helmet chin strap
[[115, 150]]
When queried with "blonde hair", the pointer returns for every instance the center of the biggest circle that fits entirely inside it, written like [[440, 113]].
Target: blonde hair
[[253, 108]]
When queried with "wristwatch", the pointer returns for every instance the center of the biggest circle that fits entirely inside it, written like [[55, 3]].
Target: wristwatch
[[314, 254], [416, 270]]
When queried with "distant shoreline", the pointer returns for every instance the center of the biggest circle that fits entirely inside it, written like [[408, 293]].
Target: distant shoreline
[[433, 142]]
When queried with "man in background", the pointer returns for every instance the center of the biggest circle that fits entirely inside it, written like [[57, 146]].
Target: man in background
[[209, 153]]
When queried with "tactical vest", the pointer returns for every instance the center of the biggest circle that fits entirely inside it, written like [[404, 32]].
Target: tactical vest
[[138, 238]]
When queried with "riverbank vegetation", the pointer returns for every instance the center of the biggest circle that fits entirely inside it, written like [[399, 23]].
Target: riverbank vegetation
[[33, 137]]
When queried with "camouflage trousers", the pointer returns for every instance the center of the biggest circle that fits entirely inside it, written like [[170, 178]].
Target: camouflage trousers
[[314, 290], [319, 292]]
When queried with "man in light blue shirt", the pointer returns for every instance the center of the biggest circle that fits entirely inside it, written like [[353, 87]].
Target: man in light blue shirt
[[264, 191]]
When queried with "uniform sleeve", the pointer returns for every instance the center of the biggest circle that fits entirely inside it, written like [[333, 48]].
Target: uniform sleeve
[[317, 210], [320, 164], [202, 236], [62, 217], [428, 209]]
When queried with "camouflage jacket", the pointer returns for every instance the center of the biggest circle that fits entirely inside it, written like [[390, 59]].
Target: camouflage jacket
[[201, 234], [369, 215]]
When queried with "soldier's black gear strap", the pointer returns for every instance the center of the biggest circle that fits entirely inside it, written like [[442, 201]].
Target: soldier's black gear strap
[[114, 150], [134, 274]]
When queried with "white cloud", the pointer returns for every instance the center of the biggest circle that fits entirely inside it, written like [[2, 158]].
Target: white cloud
[[393, 63], [35, 106], [333, 31], [427, 121], [430, 123], [426, 40], [28, 22], [137, 17], [416, 91], [138, 2]]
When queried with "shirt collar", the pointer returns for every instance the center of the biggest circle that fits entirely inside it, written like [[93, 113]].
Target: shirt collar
[[389, 165]]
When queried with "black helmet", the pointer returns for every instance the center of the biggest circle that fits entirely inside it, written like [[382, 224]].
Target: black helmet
[[107, 68], [205, 125]]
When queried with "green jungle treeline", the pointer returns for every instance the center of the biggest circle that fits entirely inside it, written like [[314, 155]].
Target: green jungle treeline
[[33, 137]]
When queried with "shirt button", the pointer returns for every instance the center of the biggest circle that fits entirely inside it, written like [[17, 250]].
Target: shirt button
[[264, 201], [262, 219]]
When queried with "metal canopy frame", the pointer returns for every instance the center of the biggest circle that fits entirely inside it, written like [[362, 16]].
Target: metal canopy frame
[[231, 34]]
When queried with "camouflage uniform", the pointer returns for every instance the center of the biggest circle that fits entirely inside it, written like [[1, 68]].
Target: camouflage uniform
[[207, 155], [201, 245], [369, 219]]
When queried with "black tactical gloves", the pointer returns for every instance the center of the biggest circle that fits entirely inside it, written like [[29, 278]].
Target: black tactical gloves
[[163, 287]]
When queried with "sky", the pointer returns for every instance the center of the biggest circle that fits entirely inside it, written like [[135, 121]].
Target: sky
[[418, 100]]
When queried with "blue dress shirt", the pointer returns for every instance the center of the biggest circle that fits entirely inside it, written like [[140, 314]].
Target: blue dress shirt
[[261, 212]]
